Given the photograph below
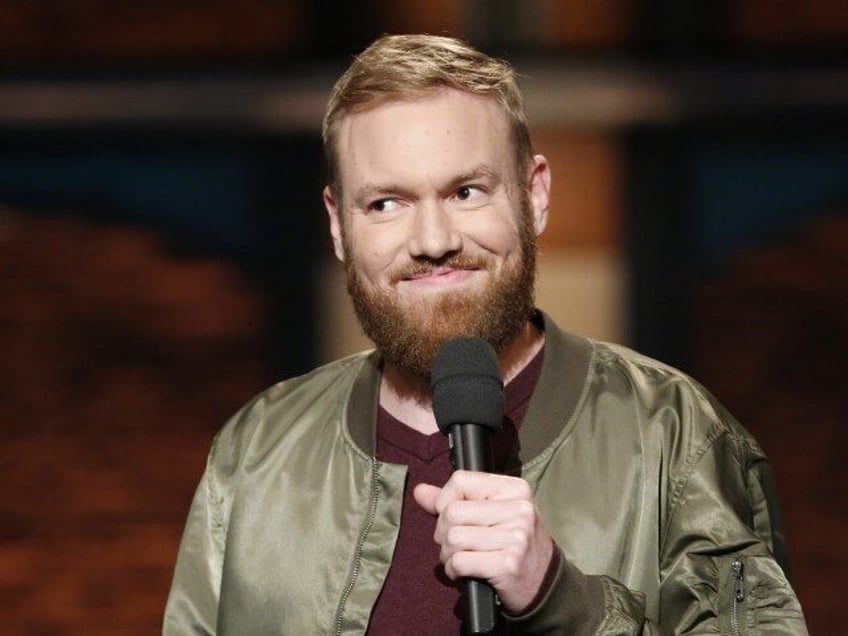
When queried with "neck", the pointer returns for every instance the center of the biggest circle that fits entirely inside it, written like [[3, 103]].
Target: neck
[[407, 396]]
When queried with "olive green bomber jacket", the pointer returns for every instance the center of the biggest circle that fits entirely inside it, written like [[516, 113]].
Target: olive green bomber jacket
[[663, 506]]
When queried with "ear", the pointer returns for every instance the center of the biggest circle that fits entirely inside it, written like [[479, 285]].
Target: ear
[[539, 189], [333, 212]]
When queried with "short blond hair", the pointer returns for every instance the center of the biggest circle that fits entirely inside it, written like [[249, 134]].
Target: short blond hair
[[410, 66]]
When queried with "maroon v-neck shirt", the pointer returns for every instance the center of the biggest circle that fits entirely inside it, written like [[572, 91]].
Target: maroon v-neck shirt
[[417, 597]]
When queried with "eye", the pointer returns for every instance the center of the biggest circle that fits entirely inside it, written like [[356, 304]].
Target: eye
[[383, 205], [470, 193]]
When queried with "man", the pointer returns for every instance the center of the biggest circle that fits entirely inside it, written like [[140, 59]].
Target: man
[[629, 501]]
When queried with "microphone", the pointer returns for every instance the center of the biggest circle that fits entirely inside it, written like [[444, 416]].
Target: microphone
[[468, 403]]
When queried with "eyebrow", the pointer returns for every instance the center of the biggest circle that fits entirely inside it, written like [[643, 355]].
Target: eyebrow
[[481, 172]]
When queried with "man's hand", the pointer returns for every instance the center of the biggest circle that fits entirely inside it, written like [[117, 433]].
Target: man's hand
[[489, 528]]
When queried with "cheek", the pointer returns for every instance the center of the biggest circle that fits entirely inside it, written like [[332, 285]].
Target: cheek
[[497, 235], [374, 253]]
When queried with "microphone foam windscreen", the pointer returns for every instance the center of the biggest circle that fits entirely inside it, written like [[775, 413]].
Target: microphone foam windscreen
[[467, 384]]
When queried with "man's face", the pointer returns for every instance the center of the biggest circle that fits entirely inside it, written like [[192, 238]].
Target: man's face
[[436, 229]]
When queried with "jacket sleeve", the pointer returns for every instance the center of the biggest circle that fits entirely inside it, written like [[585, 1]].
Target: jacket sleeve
[[723, 553], [578, 604], [192, 605], [723, 567]]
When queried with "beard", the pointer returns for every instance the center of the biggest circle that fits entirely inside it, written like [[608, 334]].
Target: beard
[[408, 335]]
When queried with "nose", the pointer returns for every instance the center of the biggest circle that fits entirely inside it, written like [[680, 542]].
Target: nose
[[433, 234]]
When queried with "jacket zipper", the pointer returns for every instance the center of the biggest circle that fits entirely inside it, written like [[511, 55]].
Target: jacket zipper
[[738, 594], [357, 557]]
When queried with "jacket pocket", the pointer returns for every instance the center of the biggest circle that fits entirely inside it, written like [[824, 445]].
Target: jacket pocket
[[756, 598]]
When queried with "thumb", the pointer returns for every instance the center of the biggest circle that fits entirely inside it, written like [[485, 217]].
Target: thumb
[[425, 496]]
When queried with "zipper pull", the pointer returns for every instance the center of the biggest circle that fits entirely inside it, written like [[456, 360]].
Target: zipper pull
[[739, 573]]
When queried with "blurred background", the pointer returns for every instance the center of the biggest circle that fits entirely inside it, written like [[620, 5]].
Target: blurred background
[[163, 252]]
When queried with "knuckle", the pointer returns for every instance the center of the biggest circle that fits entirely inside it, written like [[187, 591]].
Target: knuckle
[[520, 539], [525, 513], [455, 566], [454, 536], [527, 509], [512, 564], [461, 477], [445, 556], [451, 513]]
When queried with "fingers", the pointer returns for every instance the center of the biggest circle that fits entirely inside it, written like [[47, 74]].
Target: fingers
[[481, 539], [469, 533], [498, 567], [425, 496], [471, 486], [474, 486], [467, 549], [489, 528], [511, 513]]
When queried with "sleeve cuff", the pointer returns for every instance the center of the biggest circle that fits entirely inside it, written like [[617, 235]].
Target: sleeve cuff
[[568, 601]]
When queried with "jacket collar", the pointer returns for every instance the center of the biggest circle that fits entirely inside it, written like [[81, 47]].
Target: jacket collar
[[550, 413], [558, 392]]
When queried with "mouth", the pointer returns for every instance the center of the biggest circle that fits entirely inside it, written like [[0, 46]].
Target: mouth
[[437, 273], [457, 269], [438, 276]]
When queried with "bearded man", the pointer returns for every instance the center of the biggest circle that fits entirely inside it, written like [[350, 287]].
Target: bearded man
[[627, 501]]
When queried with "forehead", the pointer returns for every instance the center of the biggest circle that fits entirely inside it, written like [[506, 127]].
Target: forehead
[[441, 129]]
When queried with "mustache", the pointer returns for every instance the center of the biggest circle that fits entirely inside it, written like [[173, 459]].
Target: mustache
[[424, 265]]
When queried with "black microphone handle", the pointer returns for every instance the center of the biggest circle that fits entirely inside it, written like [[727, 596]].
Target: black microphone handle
[[471, 449]]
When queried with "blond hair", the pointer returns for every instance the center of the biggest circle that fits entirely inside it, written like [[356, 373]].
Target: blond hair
[[410, 66]]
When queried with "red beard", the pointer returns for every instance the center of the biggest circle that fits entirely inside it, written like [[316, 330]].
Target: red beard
[[409, 335]]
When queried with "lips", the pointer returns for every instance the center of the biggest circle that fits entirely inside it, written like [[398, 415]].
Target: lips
[[437, 272], [451, 269]]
